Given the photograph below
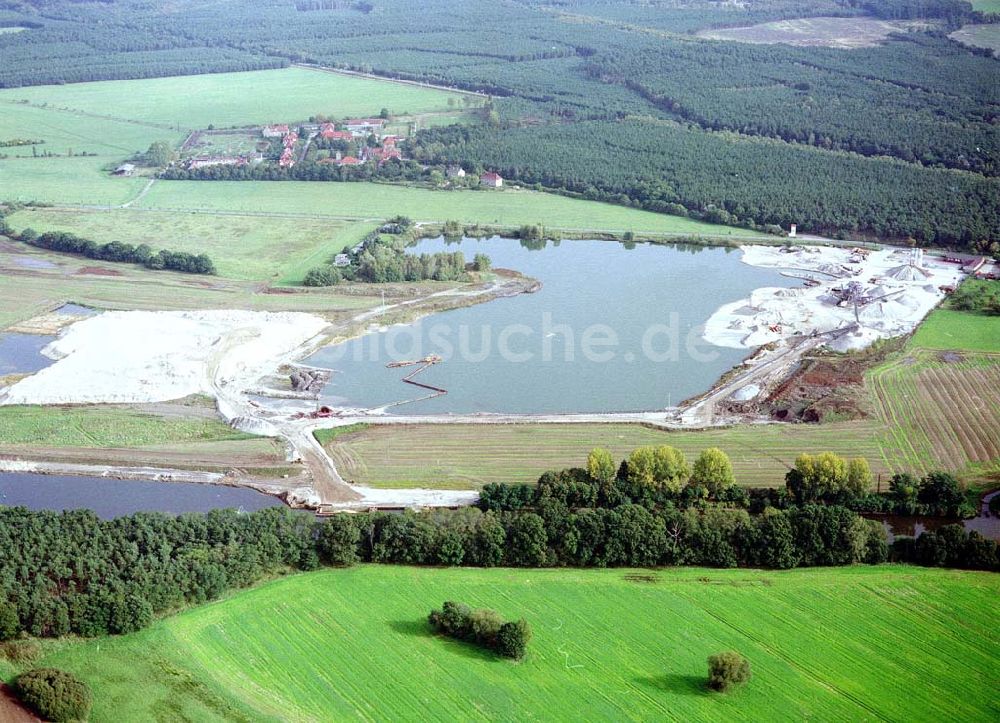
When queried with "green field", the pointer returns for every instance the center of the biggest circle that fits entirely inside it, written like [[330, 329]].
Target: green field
[[231, 99], [986, 6], [256, 248], [862, 643], [105, 427], [366, 200], [949, 329]]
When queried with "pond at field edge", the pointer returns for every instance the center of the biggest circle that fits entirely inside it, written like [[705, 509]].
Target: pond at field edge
[[110, 498], [529, 353], [899, 525]]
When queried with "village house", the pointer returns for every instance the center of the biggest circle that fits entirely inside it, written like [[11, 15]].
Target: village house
[[274, 131], [328, 132], [491, 180], [454, 172], [342, 260], [125, 169]]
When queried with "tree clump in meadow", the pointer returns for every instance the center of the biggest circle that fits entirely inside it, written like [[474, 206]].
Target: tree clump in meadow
[[484, 627], [727, 671]]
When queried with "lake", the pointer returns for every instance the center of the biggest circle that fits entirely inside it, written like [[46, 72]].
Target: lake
[[110, 498], [614, 328]]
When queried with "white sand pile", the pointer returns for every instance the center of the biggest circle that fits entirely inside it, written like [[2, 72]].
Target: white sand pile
[[903, 286], [150, 356]]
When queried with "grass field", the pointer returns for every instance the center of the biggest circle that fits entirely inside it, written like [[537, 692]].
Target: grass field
[[468, 456], [243, 247], [365, 200], [949, 329], [930, 414], [864, 643], [28, 290], [228, 99], [980, 36], [104, 426], [986, 6]]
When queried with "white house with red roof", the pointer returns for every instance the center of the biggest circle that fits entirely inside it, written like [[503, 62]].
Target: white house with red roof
[[276, 131], [491, 180]]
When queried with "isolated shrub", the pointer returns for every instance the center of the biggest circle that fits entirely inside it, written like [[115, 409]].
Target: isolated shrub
[[727, 670], [54, 694], [513, 639]]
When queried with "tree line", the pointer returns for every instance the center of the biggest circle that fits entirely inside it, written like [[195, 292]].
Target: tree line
[[118, 252], [75, 573]]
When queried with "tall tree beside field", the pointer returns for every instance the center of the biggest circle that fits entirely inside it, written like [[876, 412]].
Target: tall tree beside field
[[672, 470], [713, 470], [601, 465], [859, 476], [816, 476]]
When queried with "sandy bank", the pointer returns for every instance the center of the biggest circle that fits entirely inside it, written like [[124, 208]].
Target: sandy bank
[[147, 356], [897, 288]]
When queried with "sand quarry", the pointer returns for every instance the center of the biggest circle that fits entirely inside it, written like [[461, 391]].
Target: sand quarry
[[133, 357], [894, 290]]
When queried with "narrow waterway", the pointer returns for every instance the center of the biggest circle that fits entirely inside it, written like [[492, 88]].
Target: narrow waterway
[[110, 498]]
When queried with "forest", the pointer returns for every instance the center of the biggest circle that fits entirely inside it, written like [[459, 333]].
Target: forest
[[615, 100]]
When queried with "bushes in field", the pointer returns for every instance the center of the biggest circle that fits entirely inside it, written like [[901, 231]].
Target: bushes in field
[[116, 251], [727, 670], [54, 694], [483, 627]]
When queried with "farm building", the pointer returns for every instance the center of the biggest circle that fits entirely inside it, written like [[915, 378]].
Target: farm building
[[274, 131], [364, 125], [491, 180], [125, 169], [455, 172], [342, 260]]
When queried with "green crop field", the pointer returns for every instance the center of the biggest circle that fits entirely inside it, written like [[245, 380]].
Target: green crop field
[[258, 248], [862, 643], [932, 411], [950, 329], [366, 200], [231, 99], [105, 427]]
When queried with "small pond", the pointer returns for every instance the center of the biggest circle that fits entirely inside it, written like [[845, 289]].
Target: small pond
[[896, 525]]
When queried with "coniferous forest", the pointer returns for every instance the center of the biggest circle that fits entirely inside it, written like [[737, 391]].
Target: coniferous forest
[[617, 101]]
